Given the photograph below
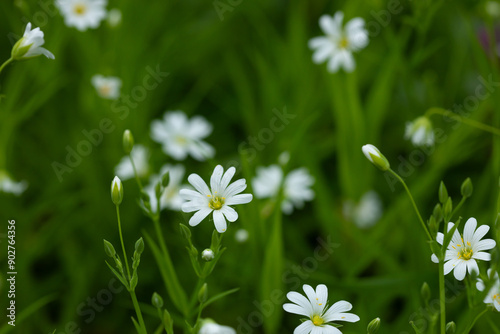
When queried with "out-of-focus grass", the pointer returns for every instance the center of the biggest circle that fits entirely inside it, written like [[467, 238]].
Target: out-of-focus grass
[[235, 72]]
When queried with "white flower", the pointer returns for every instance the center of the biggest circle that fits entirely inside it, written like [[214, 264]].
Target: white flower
[[7, 185], [420, 131], [339, 43], [207, 254], [114, 17], [82, 14], [107, 87], [209, 327], [493, 296], [180, 136], [462, 253], [241, 235], [140, 155], [315, 308], [367, 212], [216, 199], [30, 45], [296, 186], [170, 197], [375, 157]]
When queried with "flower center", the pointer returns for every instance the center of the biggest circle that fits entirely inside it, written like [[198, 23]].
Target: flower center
[[216, 202], [497, 297], [79, 9], [105, 90], [317, 320], [181, 140], [465, 252], [344, 43]]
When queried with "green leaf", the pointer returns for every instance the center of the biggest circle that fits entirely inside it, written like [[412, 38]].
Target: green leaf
[[118, 275], [219, 296], [136, 325]]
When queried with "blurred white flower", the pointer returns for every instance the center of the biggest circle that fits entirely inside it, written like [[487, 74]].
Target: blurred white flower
[[492, 8], [462, 253], [180, 136], [216, 199], [315, 308], [170, 197], [107, 87], [296, 186], [30, 45], [210, 327], [114, 17], [82, 14], [420, 131], [367, 212], [7, 185], [339, 42], [493, 296], [241, 235], [140, 155]]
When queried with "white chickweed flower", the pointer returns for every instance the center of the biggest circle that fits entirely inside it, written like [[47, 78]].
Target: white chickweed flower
[[493, 296], [367, 212], [315, 307], [339, 42], [462, 253], [180, 136], [140, 155], [30, 45], [170, 197], [82, 14], [210, 327], [296, 186], [420, 131], [114, 17], [378, 159], [107, 87], [7, 185], [241, 235], [216, 199], [207, 255]]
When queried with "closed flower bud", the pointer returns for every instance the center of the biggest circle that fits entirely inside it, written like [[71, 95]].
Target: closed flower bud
[[128, 141], [156, 300], [109, 249], [451, 327], [438, 212], [158, 190], [116, 191], [373, 326], [443, 193], [378, 159], [207, 255], [448, 208], [185, 231], [466, 188], [165, 179], [139, 246], [425, 291], [203, 293]]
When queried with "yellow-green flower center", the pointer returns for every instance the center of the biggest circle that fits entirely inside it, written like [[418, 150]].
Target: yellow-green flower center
[[79, 9], [216, 202], [181, 140], [344, 43], [497, 297], [317, 320], [465, 251]]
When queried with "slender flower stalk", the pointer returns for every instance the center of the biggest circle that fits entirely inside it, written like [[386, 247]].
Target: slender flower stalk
[[7, 62], [470, 122]]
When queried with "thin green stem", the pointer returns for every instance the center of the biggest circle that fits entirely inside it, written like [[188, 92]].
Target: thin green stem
[[7, 62], [413, 203], [138, 311], [139, 183], [442, 301], [474, 321], [459, 205], [121, 240], [470, 122]]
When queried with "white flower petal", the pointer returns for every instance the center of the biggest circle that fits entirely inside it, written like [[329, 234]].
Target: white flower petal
[[304, 328], [239, 199], [485, 244], [482, 256], [301, 301], [460, 270], [328, 25], [470, 227], [199, 216], [295, 309], [219, 221], [230, 214], [197, 182], [215, 180]]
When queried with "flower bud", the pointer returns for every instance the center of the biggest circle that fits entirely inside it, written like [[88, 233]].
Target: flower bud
[[158, 190], [207, 255], [116, 191], [373, 326], [185, 231], [128, 141], [156, 300], [165, 179], [438, 212], [466, 188], [425, 292], [203, 293], [451, 327], [109, 249], [448, 208], [139, 246], [30, 45], [378, 159]]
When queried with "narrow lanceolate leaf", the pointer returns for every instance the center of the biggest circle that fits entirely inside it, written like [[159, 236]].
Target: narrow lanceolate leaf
[[167, 271], [449, 235], [136, 325], [118, 275], [272, 271], [219, 296]]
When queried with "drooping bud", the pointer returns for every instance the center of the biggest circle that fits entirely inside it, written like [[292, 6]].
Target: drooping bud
[[116, 191], [378, 159]]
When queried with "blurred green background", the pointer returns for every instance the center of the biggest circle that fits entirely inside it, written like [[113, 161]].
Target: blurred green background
[[234, 69]]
